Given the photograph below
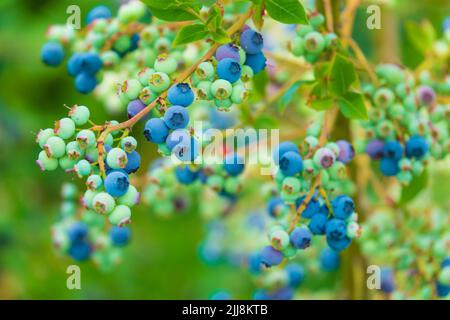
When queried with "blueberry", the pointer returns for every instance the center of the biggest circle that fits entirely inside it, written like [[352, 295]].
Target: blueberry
[[74, 64], [291, 163], [416, 147], [284, 293], [186, 151], [91, 63], [228, 69], [442, 290], [270, 257], [426, 95], [311, 209], [221, 295], [85, 82], [387, 280], [343, 207], [389, 167], [251, 41], [98, 12], [80, 251], [77, 232], [329, 260], [134, 107], [254, 263], [176, 117], [317, 224], [52, 54], [234, 165], [336, 229], [116, 183], [375, 149], [282, 148], [177, 136], [393, 149], [296, 274], [300, 238], [445, 263], [185, 175], [120, 236], [228, 51], [256, 61], [346, 151], [180, 94], [156, 130], [338, 244], [274, 206], [133, 163]]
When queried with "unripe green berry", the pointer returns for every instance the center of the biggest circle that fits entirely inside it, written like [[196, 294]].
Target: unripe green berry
[[65, 128], [246, 73], [116, 158], [43, 136], [94, 182], [120, 216], [128, 144], [159, 82], [314, 42], [223, 104], [103, 203], [221, 89], [131, 88], [45, 162], [239, 94], [165, 63], [88, 198], [130, 198], [86, 139], [205, 71], [83, 168], [279, 239], [55, 147], [79, 114], [204, 90]]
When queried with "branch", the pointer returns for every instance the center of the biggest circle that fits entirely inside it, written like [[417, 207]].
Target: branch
[[106, 129]]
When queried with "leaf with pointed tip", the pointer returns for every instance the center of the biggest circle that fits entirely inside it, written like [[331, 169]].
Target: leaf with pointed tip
[[190, 33], [287, 11]]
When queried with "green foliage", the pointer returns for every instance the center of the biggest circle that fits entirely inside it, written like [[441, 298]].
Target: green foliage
[[190, 34], [286, 11], [421, 35], [417, 185]]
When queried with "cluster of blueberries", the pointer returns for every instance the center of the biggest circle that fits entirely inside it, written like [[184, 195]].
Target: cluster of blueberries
[[82, 235], [336, 219]]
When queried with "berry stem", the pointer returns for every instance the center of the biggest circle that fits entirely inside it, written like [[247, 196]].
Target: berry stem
[[182, 77]]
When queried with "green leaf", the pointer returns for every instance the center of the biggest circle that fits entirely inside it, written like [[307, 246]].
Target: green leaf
[[322, 104], [190, 33], [180, 13], [160, 4], [258, 16], [352, 105], [287, 11], [342, 75], [417, 185], [422, 36], [220, 36], [266, 122]]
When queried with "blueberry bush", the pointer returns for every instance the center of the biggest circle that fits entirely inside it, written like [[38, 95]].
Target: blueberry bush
[[360, 140]]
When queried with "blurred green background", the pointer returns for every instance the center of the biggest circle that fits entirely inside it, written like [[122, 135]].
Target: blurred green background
[[162, 261]]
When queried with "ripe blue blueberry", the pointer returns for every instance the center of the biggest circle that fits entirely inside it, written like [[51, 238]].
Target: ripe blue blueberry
[[375, 149], [221, 295], [300, 238], [116, 183], [228, 51], [176, 137], [98, 12], [416, 147], [343, 207], [311, 209], [156, 130], [291, 163], [389, 167], [134, 107], [234, 165], [228, 69], [133, 163], [282, 148], [256, 61], [120, 236], [185, 175], [251, 41], [52, 54], [336, 229], [270, 257], [274, 206], [295, 273], [187, 151], [338, 244], [77, 232], [176, 117], [393, 149], [346, 151], [329, 260], [80, 251], [317, 224], [387, 280], [85, 82], [254, 263], [180, 94]]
